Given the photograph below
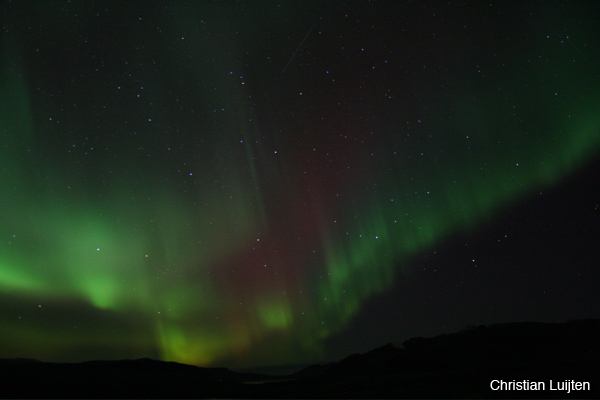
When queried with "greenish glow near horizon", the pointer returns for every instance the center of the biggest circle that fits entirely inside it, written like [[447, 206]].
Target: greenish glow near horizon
[[203, 256]]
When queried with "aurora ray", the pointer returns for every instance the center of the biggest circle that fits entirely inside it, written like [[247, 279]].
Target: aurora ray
[[177, 195]]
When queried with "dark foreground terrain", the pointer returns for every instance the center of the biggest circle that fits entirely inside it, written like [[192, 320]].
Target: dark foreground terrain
[[455, 365]]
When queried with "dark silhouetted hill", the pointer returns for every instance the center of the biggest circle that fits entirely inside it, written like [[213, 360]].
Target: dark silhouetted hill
[[458, 365], [463, 364], [121, 378]]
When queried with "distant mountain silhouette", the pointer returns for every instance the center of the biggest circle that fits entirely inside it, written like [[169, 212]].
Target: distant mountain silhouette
[[463, 364], [460, 365], [120, 378]]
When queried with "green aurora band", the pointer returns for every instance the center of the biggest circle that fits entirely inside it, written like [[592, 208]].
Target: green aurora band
[[129, 262]]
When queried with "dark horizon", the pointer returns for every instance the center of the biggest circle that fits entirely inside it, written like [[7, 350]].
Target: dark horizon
[[498, 361], [229, 184], [290, 369]]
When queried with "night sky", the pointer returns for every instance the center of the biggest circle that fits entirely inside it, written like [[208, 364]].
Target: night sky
[[251, 183]]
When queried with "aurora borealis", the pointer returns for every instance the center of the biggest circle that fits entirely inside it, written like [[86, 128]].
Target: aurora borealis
[[227, 183]]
